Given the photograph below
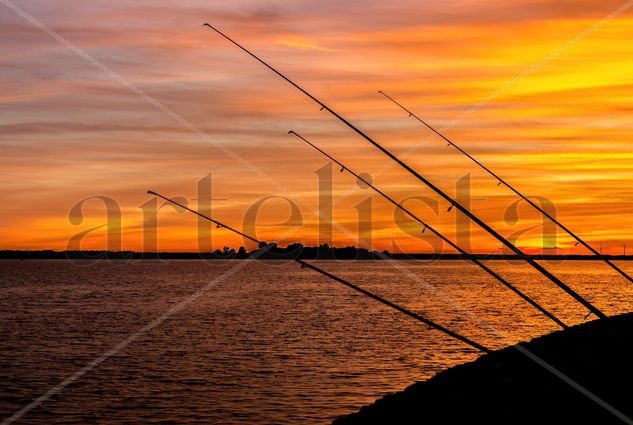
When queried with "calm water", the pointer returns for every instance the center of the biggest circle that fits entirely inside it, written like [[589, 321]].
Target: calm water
[[266, 342]]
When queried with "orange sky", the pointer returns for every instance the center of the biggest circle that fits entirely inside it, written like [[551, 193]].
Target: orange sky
[[69, 131]]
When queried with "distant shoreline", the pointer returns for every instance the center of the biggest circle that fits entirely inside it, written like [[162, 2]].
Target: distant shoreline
[[306, 253]]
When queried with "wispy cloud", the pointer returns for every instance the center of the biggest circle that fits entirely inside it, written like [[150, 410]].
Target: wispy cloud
[[302, 45], [561, 132]]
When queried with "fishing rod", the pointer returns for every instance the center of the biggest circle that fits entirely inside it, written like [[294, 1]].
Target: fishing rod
[[513, 189], [265, 247], [437, 190], [437, 233]]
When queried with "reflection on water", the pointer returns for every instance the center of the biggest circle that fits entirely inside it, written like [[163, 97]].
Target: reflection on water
[[270, 343]]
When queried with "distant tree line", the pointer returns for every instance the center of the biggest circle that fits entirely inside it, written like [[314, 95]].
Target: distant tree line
[[274, 252]]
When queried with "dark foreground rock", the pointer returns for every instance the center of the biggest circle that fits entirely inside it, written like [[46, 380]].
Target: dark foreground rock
[[594, 385]]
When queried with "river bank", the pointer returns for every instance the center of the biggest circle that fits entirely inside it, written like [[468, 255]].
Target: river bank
[[581, 375]]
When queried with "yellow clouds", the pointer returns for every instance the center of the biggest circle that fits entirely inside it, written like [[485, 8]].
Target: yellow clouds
[[300, 44], [562, 131]]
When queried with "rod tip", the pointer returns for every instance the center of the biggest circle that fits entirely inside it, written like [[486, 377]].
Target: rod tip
[[291, 132]]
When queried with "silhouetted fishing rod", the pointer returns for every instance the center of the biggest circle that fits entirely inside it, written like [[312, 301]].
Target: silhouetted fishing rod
[[437, 233], [264, 246], [516, 192], [437, 190]]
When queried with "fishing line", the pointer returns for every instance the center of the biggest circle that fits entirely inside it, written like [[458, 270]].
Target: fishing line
[[503, 182], [437, 233], [437, 190], [264, 246]]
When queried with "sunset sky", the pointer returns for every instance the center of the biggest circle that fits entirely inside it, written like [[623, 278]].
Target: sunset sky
[[179, 103]]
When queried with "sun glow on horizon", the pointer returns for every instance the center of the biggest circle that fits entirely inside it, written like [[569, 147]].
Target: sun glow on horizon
[[555, 123]]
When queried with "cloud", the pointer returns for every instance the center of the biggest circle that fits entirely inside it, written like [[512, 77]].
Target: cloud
[[67, 130], [302, 45]]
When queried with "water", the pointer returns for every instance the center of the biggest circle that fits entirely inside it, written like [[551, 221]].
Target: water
[[266, 342]]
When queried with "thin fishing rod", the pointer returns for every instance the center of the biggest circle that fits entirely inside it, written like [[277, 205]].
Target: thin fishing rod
[[371, 295], [437, 190], [513, 189], [437, 233]]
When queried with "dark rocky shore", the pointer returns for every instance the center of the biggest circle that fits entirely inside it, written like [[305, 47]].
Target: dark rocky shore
[[508, 387]]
